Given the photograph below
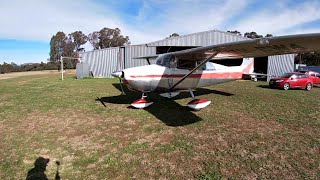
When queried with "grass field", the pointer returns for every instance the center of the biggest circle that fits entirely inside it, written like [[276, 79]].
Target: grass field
[[249, 131]]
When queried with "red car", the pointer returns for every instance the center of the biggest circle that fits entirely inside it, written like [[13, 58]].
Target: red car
[[292, 80], [315, 76]]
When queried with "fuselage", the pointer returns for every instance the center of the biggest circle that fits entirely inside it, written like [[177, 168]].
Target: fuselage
[[157, 78]]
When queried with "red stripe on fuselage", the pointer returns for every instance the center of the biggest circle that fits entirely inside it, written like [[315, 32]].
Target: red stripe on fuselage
[[226, 75]]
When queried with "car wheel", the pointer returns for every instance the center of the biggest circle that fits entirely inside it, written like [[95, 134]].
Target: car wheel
[[309, 87], [286, 86]]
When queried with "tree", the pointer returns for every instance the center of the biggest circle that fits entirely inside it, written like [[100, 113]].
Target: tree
[[173, 35], [252, 35], [62, 45], [235, 32], [112, 38], [94, 39], [57, 43], [310, 59], [269, 35], [68, 47], [78, 39]]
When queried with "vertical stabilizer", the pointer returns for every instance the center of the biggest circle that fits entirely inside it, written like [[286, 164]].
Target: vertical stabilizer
[[247, 65]]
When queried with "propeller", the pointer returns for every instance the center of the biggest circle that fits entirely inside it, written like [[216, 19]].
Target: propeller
[[120, 75]]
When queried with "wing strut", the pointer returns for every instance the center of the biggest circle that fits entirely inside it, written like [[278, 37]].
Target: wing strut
[[148, 61], [193, 70]]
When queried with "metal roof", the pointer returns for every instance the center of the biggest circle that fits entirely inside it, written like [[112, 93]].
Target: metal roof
[[205, 38]]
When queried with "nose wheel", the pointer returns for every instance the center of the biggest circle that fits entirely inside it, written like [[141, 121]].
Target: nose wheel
[[141, 103]]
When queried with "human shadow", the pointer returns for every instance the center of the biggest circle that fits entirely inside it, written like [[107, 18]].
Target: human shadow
[[38, 171]]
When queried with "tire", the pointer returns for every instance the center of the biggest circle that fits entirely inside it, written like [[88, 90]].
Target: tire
[[308, 86], [286, 86]]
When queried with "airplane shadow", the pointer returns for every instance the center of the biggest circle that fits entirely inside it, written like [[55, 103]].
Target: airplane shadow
[[265, 86], [182, 95], [166, 110]]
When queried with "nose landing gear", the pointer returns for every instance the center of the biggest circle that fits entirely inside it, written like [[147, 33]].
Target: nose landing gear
[[141, 103]]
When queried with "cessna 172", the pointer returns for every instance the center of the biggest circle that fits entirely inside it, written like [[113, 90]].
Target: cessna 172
[[190, 69]]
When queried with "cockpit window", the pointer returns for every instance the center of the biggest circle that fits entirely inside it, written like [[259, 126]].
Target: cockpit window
[[167, 60]]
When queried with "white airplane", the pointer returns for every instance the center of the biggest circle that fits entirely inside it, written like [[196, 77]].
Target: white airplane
[[191, 69]]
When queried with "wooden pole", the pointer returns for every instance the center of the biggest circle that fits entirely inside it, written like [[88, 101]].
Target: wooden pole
[[78, 58], [61, 69]]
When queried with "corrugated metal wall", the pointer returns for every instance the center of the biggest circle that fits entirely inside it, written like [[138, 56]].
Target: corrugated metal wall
[[137, 51], [277, 65], [199, 39], [102, 62]]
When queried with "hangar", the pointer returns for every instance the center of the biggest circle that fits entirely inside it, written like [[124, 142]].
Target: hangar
[[101, 63]]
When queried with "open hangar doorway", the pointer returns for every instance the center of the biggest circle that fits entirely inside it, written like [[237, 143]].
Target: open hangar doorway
[[261, 65], [166, 49]]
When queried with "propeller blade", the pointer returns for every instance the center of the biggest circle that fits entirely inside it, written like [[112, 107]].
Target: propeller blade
[[122, 91]]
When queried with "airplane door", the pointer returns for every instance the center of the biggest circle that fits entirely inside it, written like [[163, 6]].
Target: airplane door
[[172, 71]]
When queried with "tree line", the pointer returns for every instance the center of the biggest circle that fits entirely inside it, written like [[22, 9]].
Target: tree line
[[12, 67], [69, 45]]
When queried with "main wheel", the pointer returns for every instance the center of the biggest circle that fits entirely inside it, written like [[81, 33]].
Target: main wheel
[[309, 87], [286, 86]]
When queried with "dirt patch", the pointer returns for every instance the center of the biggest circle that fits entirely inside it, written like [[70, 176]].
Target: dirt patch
[[32, 73]]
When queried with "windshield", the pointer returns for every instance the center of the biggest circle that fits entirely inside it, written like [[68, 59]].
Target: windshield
[[167, 60], [287, 75]]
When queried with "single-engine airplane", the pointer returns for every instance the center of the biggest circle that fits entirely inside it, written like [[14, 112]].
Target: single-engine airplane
[[190, 69]]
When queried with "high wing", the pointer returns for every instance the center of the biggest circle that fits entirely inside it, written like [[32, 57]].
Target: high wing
[[254, 48], [147, 58], [250, 48]]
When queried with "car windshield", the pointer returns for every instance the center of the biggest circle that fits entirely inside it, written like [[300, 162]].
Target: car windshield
[[287, 75]]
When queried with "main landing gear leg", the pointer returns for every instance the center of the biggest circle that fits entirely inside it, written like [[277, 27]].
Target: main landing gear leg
[[141, 103], [197, 104]]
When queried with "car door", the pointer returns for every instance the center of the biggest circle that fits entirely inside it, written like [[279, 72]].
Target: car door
[[303, 80], [316, 78], [294, 81]]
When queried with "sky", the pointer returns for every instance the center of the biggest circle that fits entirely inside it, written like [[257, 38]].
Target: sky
[[27, 26]]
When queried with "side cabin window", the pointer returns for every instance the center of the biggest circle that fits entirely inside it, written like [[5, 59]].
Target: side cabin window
[[185, 64]]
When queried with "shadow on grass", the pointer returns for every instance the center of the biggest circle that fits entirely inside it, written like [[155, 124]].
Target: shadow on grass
[[265, 86], [166, 110], [278, 88], [182, 95]]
